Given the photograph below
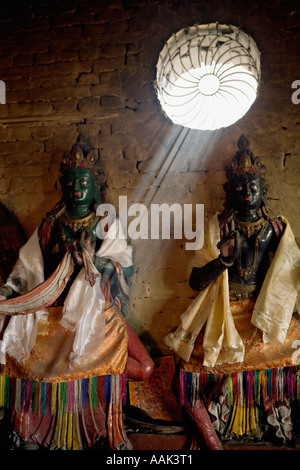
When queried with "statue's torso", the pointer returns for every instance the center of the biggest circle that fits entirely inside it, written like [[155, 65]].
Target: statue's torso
[[252, 263]]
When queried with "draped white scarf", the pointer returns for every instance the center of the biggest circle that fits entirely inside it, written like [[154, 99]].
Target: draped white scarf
[[83, 309], [272, 312]]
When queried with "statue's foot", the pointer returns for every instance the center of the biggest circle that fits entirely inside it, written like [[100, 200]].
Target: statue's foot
[[18, 443], [30, 446], [204, 427]]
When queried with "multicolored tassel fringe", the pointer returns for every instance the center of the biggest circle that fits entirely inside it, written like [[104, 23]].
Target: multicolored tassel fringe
[[243, 387], [59, 397]]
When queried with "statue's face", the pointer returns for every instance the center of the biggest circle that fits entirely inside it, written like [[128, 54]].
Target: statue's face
[[247, 191], [78, 187]]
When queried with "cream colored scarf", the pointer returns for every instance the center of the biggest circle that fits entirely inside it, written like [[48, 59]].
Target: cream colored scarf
[[273, 309]]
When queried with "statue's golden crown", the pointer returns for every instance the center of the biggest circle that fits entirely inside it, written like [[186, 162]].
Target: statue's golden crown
[[244, 161], [83, 155], [77, 157]]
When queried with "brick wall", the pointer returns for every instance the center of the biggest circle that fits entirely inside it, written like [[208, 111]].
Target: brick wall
[[88, 67]]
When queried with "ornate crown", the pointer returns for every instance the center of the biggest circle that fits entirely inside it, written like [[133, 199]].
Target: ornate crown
[[83, 155], [244, 161]]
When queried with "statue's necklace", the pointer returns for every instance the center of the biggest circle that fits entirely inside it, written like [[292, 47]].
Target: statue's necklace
[[248, 229], [83, 225], [78, 224]]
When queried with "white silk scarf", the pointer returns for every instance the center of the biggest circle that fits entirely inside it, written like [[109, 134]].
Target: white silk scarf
[[278, 296], [83, 309], [272, 313]]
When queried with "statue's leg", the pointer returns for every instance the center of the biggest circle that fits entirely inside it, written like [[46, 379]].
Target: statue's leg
[[139, 365], [203, 425], [18, 443]]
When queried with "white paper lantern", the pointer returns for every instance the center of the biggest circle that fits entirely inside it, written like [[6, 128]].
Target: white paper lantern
[[208, 76]]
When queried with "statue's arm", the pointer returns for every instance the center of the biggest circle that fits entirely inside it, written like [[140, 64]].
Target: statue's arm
[[16, 283], [202, 277], [230, 246], [5, 292], [108, 269]]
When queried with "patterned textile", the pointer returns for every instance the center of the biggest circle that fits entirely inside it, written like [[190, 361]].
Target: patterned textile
[[63, 368], [246, 402], [258, 355], [62, 407], [243, 398], [49, 358], [155, 395], [272, 312], [70, 415]]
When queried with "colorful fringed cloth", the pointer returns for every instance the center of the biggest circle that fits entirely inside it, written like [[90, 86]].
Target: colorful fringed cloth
[[246, 387], [247, 398], [49, 360], [269, 373], [70, 415], [258, 355], [62, 405]]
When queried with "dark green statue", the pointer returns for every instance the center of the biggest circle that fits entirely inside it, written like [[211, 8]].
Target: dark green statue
[[67, 340]]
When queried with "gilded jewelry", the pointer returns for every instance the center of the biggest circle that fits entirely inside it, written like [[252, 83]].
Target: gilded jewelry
[[82, 226], [249, 228], [224, 263], [242, 291], [78, 224]]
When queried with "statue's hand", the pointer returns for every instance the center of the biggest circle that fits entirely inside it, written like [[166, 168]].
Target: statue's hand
[[78, 247], [77, 254], [105, 267], [89, 245], [231, 247], [2, 297]]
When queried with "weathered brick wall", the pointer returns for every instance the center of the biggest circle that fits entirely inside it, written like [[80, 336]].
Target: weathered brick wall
[[88, 67]]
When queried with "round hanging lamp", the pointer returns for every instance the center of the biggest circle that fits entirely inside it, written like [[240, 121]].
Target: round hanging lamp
[[208, 76]]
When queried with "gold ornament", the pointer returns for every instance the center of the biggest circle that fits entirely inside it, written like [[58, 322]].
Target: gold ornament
[[83, 155], [244, 161], [248, 228]]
